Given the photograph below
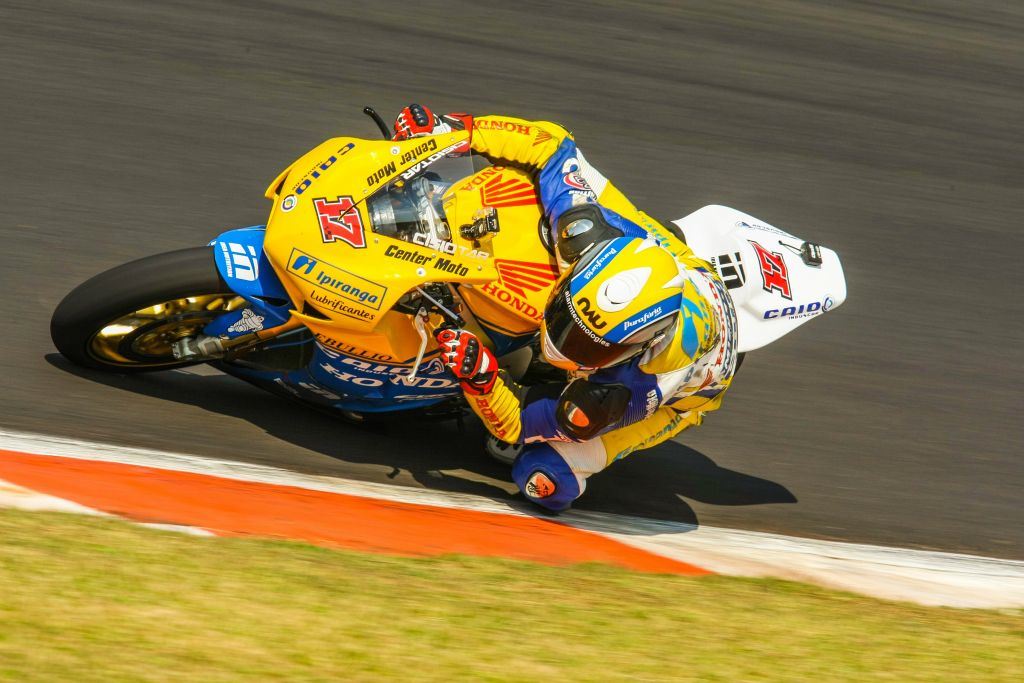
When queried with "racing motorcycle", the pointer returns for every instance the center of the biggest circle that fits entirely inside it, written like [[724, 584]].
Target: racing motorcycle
[[371, 245]]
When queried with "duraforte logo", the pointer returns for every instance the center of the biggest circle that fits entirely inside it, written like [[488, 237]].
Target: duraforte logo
[[332, 279], [598, 263]]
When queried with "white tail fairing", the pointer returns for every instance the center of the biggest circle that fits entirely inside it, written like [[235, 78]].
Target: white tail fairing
[[777, 281]]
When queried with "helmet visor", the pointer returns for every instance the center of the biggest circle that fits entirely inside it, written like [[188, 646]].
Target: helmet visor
[[570, 336]]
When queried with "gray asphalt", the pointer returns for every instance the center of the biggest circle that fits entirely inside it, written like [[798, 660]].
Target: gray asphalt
[[888, 131]]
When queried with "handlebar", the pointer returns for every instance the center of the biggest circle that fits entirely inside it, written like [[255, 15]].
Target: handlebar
[[372, 113]]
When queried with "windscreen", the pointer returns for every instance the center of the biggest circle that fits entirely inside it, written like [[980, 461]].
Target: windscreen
[[410, 205]]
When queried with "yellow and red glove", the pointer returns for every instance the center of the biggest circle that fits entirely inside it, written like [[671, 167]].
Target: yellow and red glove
[[469, 360]]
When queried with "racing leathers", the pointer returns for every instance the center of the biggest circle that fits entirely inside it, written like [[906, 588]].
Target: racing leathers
[[629, 406]]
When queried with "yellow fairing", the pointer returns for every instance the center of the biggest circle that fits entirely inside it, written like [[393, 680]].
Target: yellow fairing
[[513, 303], [344, 279]]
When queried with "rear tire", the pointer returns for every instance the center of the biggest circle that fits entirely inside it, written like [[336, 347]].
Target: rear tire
[[167, 296]]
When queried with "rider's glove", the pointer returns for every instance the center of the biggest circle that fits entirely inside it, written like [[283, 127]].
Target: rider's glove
[[416, 120], [470, 361]]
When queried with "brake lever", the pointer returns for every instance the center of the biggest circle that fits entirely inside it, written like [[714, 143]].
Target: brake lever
[[372, 113], [452, 316], [419, 321]]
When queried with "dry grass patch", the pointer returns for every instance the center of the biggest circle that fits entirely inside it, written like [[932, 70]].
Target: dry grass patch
[[88, 599]]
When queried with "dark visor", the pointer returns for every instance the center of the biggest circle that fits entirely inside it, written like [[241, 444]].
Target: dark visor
[[574, 341]]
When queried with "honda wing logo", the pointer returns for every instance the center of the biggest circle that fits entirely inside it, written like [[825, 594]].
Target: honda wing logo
[[517, 276], [499, 192]]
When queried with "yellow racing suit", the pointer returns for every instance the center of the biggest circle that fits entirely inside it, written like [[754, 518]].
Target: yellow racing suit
[[672, 384]]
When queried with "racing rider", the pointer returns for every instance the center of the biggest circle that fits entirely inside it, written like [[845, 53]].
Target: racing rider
[[643, 327]]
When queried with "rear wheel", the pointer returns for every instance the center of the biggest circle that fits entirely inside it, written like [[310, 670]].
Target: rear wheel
[[127, 318]]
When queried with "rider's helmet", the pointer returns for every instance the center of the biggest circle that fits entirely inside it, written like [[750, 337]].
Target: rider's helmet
[[621, 297]]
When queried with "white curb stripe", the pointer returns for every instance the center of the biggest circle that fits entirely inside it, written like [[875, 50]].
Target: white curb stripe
[[13, 496], [927, 577]]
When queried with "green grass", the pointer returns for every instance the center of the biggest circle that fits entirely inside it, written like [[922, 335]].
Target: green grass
[[90, 599]]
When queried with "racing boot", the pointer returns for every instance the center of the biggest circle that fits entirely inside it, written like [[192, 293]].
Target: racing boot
[[502, 451]]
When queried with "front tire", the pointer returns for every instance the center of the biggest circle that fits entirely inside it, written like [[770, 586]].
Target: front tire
[[125, 319]]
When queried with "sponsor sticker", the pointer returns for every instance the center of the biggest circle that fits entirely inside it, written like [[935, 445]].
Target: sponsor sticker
[[508, 126], [249, 322], [517, 276], [336, 281], [802, 311], [240, 261], [428, 146], [576, 181], [512, 301], [595, 266], [500, 192], [730, 269], [587, 311], [446, 247], [381, 173], [415, 169], [319, 169], [761, 227], [409, 255], [288, 203], [774, 273], [333, 347], [340, 220]]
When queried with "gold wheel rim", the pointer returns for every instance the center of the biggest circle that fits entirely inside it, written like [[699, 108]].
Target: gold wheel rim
[[144, 337]]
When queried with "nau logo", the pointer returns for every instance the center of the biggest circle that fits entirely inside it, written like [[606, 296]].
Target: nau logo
[[499, 192], [517, 276], [774, 273], [587, 310], [340, 221]]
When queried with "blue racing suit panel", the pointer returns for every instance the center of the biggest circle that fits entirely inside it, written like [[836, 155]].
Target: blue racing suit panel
[[564, 184], [539, 418], [670, 379]]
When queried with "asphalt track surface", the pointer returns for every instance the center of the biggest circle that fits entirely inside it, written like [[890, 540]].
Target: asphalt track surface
[[890, 132]]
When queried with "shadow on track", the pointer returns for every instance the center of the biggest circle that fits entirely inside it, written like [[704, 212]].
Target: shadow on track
[[441, 457]]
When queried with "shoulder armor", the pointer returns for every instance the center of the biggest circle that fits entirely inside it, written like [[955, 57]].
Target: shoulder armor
[[585, 409], [580, 228]]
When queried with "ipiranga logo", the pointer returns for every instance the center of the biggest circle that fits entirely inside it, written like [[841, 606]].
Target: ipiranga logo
[[332, 279]]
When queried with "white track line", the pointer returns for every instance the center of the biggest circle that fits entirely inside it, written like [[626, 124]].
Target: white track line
[[932, 578]]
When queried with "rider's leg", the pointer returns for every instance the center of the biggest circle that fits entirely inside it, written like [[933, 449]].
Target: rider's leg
[[554, 473]]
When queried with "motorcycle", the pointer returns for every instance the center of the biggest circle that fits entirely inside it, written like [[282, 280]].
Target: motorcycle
[[372, 244]]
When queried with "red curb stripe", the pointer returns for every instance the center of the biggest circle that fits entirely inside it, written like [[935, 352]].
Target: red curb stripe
[[232, 507]]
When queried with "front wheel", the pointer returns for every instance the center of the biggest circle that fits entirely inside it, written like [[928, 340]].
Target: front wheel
[[127, 318]]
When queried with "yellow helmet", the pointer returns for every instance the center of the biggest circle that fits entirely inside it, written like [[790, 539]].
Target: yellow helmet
[[619, 298]]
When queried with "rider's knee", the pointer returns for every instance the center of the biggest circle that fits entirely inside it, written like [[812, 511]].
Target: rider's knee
[[545, 478]]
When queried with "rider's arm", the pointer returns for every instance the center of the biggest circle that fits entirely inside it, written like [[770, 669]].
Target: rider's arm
[[623, 398], [580, 204], [576, 411]]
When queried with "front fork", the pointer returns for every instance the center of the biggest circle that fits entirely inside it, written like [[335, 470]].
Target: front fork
[[244, 267]]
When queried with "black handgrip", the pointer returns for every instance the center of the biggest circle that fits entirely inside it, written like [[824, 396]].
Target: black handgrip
[[372, 113]]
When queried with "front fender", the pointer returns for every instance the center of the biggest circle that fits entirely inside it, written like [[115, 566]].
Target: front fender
[[245, 268]]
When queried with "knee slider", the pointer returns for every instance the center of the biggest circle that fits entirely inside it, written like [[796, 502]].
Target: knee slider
[[580, 228], [585, 409], [543, 459]]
